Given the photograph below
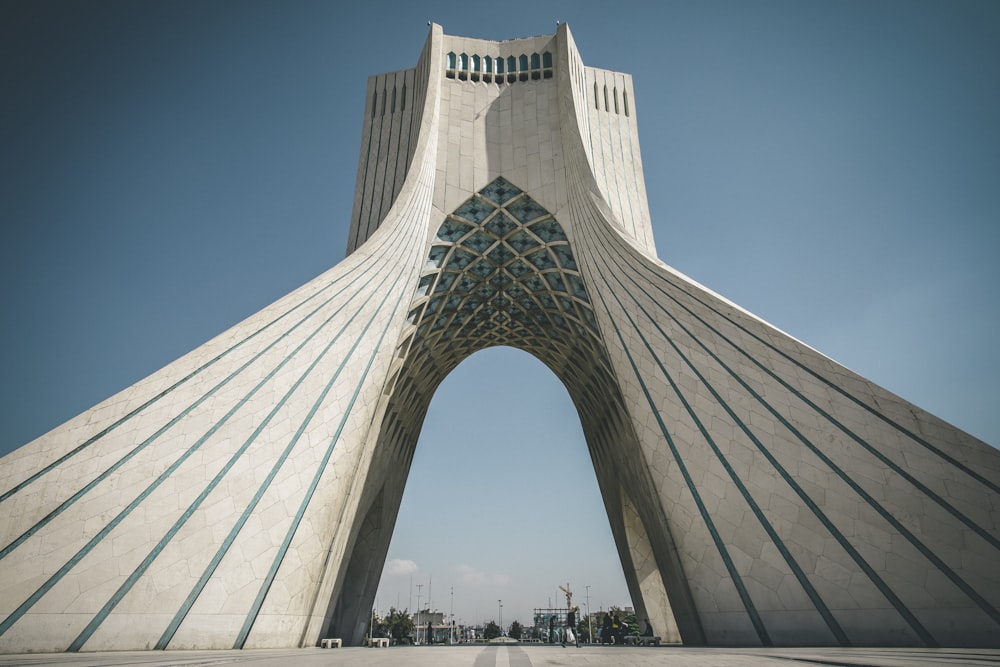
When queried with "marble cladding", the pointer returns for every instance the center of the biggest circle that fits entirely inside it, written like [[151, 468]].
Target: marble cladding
[[243, 496]]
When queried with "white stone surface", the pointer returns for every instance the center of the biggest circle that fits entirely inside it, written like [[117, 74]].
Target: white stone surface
[[244, 495]]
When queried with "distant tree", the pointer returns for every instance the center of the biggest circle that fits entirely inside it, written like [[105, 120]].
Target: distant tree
[[397, 624], [492, 630], [582, 628], [633, 624], [598, 617], [515, 630]]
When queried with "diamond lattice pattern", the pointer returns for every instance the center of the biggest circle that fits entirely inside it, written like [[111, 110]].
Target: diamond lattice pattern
[[501, 272]]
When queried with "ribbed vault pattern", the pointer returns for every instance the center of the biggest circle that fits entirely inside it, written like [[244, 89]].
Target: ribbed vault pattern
[[500, 271]]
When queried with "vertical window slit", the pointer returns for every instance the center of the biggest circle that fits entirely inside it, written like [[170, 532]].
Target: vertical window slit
[[450, 73]]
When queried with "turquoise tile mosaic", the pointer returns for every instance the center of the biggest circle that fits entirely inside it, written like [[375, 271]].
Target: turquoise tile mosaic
[[452, 230], [525, 209], [500, 225], [475, 210], [479, 242], [521, 241], [501, 254], [548, 230], [500, 191]]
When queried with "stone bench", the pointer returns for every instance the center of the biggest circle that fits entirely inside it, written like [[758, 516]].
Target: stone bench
[[378, 642], [331, 643], [631, 640]]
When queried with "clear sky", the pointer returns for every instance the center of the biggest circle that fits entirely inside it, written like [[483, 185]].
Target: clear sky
[[169, 168]]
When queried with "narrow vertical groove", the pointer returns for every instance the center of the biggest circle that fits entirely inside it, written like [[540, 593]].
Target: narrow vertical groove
[[391, 154], [399, 149], [635, 169], [369, 192], [619, 162]]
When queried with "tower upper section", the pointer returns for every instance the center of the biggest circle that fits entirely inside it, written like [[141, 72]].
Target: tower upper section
[[527, 110]]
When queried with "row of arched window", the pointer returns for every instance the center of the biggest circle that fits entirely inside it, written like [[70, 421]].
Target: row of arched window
[[610, 99], [489, 69], [384, 98]]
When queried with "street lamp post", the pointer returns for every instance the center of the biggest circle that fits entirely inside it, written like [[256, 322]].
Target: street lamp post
[[451, 612], [500, 604], [590, 621], [416, 617]]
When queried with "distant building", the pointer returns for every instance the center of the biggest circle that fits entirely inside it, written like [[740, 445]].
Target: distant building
[[441, 630], [422, 618]]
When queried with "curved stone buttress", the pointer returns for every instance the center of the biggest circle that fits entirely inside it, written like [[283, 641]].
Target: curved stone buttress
[[244, 495]]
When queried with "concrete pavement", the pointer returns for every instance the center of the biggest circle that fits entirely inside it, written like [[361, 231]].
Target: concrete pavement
[[513, 655]]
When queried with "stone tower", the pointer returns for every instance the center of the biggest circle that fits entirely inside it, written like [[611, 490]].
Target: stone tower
[[244, 496]]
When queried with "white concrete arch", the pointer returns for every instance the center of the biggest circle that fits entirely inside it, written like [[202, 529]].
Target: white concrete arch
[[243, 496]]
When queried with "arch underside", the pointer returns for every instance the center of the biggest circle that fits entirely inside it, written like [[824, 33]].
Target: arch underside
[[500, 271]]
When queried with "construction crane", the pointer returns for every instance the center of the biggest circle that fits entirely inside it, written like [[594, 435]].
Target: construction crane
[[569, 595]]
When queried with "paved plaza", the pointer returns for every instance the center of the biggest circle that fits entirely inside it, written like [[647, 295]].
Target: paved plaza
[[512, 655]]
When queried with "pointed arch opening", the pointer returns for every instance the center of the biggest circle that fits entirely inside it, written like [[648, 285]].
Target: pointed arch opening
[[501, 272], [513, 476]]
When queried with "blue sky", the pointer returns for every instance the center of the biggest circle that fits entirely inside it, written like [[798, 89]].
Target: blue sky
[[167, 169]]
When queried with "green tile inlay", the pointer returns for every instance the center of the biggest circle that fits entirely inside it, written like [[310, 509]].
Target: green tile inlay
[[475, 210], [452, 230], [500, 191]]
